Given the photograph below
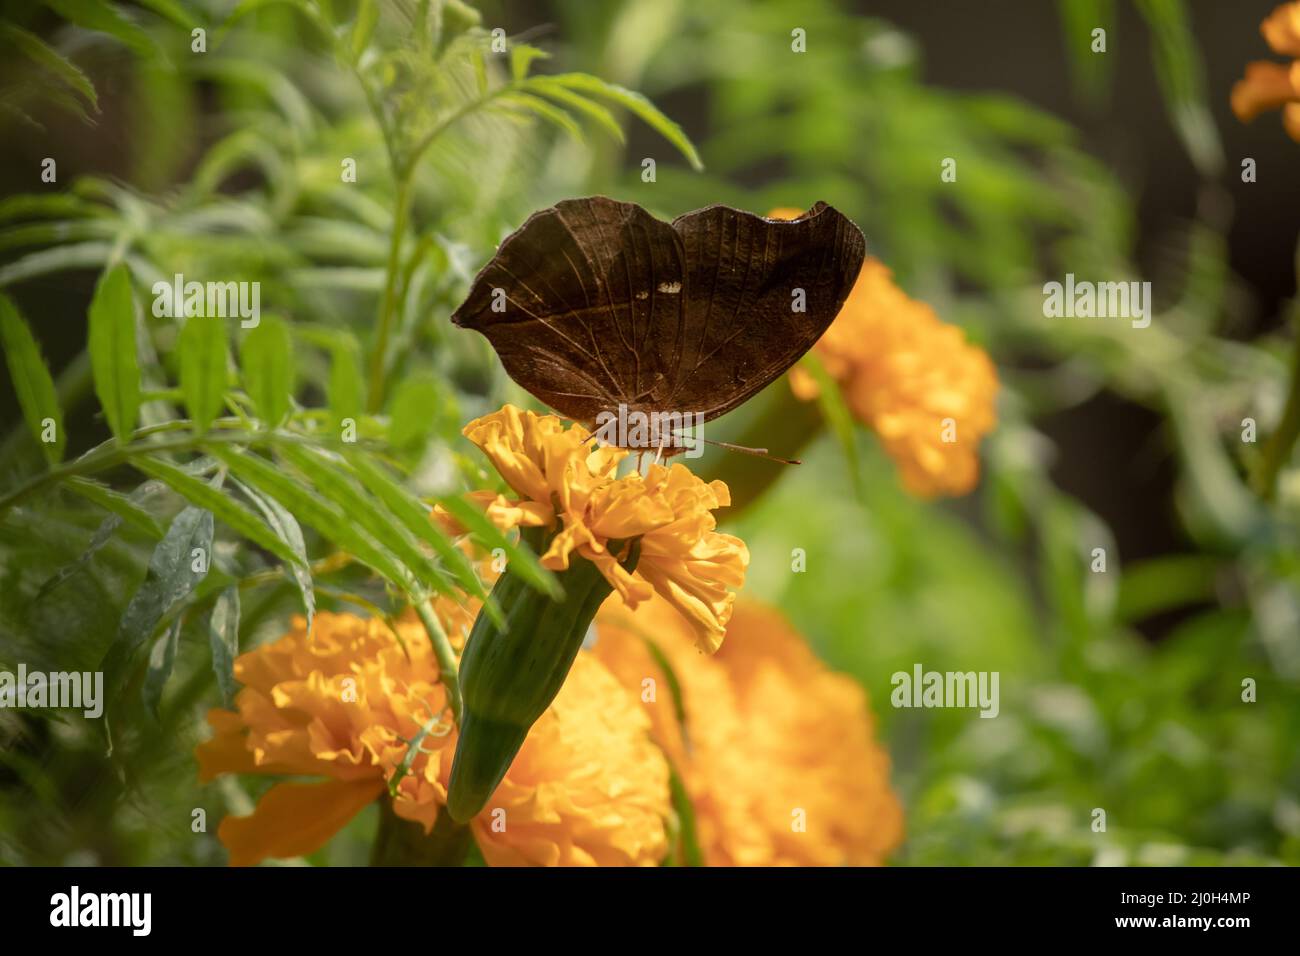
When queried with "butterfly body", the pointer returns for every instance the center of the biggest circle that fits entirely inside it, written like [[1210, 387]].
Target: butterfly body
[[597, 308]]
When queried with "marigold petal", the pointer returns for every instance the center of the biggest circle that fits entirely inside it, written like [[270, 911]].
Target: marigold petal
[[294, 819]]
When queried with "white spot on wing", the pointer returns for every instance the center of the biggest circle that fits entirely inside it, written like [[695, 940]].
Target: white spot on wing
[[670, 287]]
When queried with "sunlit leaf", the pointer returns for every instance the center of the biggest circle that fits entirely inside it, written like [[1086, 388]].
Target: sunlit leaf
[[112, 345], [202, 350], [32, 382]]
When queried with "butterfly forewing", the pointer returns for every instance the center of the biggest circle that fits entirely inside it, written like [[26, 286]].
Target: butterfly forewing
[[594, 303]]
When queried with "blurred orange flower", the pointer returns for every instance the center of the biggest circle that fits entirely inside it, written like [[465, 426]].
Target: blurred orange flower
[[927, 392], [565, 479], [1268, 85], [776, 752], [588, 787]]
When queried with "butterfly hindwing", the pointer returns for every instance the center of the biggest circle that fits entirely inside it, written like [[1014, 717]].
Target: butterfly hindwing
[[594, 303], [761, 293]]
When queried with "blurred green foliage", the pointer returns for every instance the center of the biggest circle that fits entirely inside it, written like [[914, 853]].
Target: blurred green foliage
[[235, 171]]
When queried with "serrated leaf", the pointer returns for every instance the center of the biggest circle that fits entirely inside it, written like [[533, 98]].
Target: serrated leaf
[[113, 358], [286, 526], [223, 636], [122, 508], [491, 537], [540, 107], [162, 657], [589, 108], [32, 381], [174, 570], [202, 352], [222, 506], [307, 504], [41, 53], [637, 104], [126, 507], [521, 59], [103, 18], [333, 480], [414, 515], [266, 360]]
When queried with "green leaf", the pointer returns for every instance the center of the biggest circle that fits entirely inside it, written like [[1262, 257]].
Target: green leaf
[[177, 565], [691, 854], [590, 108], [162, 657], [345, 384], [539, 107], [491, 537], [173, 11], [521, 59], [415, 411], [1181, 73], [286, 526], [126, 507], [32, 382], [266, 357], [308, 505], [637, 104], [837, 414], [202, 351], [113, 358], [223, 636], [104, 18], [363, 27], [221, 505], [331, 479], [415, 516], [39, 52]]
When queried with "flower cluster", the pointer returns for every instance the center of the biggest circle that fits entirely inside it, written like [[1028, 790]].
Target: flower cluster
[[1268, 85], [569, 483], [350, 701], [776, 752], [927, 392]]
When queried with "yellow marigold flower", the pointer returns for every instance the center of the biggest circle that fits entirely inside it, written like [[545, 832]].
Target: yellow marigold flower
[[587, 788], [927, 392], [571, 482], [776, 752]]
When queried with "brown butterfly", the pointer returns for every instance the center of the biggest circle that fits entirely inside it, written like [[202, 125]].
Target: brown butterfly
[[595, 306]]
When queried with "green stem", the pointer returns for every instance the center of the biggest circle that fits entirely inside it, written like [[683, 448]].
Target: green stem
[[1278, 449], [448, 664], [401, 842], [388, 303]]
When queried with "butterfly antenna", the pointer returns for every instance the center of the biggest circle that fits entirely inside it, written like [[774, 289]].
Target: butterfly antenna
[[746, 450]]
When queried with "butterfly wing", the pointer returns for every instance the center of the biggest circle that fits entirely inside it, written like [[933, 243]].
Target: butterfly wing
[[572, 304], [761, 293], [595, 303]]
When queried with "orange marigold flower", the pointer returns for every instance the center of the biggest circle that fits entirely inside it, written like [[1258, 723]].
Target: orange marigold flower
[[1281, 29], [776, 752], [1270, 86], [927, 392], [341, 703], [571, 483]]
